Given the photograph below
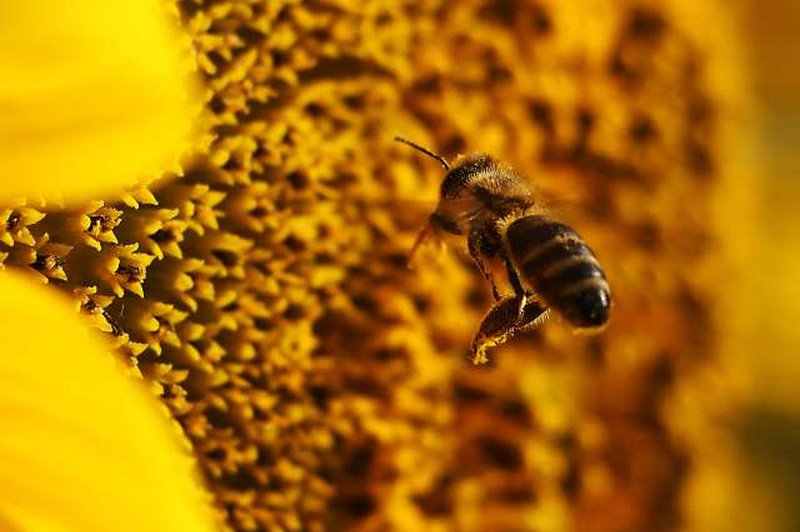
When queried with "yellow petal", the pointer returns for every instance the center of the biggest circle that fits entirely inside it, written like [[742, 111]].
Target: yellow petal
[[82, 447], [93, 96]]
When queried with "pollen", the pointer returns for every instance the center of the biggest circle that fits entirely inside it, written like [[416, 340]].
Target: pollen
[[263, 293]]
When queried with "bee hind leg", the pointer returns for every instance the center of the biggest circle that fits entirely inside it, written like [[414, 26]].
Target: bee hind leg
[[504, 320], [516, 284], [513, 276]]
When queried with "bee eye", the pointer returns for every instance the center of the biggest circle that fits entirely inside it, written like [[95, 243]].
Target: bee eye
[[445, 224]]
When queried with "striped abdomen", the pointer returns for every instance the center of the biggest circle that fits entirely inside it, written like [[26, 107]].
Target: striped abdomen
[[562, 270]]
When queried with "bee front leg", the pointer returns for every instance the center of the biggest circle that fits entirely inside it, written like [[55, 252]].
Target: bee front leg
[[475, 244], [503, 321]]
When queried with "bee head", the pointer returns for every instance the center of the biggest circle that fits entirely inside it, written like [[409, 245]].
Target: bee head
[[458, 177]]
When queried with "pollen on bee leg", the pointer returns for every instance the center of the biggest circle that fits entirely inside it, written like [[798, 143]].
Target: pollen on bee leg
[[479, 355], [480, 346]]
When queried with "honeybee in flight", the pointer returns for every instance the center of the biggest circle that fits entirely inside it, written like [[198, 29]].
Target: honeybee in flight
[[548, 265]]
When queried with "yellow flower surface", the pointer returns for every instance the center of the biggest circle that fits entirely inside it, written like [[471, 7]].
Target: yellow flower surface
[[321, 384], [82, 446], [91, 96]]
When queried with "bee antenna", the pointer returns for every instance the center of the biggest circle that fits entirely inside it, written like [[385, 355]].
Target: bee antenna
[[425, 151]]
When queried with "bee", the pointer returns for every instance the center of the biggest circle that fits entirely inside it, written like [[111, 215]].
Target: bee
[[548, 265]]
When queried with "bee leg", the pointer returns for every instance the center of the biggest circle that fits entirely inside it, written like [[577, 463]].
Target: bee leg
[[503, 321], [475, 244], [423, 235], [513, 276], [516, 284], [494, 329], [533, 314]]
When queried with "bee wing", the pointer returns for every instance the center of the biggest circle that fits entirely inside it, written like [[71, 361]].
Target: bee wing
[[563, 190], [565, 205], [461, 210]]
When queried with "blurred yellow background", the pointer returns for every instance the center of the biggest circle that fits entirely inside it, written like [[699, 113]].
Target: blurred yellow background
[[770, 433], [772, 47]]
